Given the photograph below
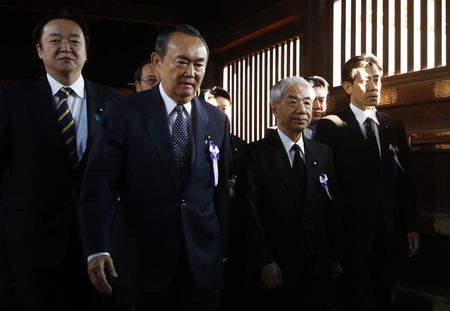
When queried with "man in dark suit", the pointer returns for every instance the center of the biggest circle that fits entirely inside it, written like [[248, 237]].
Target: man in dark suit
[[371, 160], [170, 229], [220, 98], [288, 186], [320, 86], [235, 292], [42, 168]]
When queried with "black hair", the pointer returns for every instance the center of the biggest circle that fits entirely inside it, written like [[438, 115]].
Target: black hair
[[318, 81], [138, 71], [65, 13], [163, 38], [220, 92], [360, 61]]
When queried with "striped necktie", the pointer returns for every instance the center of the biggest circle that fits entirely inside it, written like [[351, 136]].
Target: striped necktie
[[67, 124]]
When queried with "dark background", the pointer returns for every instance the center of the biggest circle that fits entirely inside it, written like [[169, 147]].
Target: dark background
[[122, 32]]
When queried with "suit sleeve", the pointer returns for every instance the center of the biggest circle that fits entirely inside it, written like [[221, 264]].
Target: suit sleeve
[[334, 216], [407, 186], [4, 133], [326, 132], [99, 189], [257, 244], [5, 147], [222, 198]]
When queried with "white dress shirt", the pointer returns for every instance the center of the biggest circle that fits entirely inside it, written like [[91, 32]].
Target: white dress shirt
[[361, 116], [288, 143]]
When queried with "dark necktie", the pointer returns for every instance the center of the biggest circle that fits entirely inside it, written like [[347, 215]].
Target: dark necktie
[[181, 144], [67, 124], [371, 140], [298, 165]]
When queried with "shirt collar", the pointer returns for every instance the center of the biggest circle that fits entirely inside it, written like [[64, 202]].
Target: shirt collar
[[288, 143], [361, 115], [170, 103], [77, 86]]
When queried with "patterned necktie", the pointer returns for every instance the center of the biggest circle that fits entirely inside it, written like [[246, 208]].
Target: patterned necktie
[[181, 144], [67, 124], [298, 165], [371, 140]]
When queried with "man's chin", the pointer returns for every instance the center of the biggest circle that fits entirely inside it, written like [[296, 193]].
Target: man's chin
[[372, 102]]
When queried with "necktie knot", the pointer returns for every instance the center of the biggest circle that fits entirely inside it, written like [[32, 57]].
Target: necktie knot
[[179, 108], [296, 148], [368, 122], [64, 92]]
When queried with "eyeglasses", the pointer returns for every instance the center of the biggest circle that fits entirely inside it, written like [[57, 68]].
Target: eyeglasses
[[150, 80]]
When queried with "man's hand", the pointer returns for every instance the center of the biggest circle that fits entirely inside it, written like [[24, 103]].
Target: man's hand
[[271, 275], [96, 271], [336, 269], [413, 243]]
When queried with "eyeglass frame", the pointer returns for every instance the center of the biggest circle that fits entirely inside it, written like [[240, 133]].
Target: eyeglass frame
[[151, 79]]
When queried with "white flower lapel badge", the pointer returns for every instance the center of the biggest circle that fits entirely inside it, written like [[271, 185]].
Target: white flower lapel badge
[[394, 150], [323, 179], [215, 157]]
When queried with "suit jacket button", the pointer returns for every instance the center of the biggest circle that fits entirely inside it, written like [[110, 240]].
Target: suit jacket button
[[183, 202]]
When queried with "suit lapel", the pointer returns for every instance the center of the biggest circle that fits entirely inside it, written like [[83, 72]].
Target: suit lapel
[[94, 108], [385, 134], [312, 160], [201, 128], [157, 126], [43, 112], [356, 135]]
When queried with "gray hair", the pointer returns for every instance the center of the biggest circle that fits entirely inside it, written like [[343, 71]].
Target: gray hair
[[279, 89]]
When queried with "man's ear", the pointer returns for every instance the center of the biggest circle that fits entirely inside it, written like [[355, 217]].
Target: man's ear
[[39, 50], [155, 59], [274, 109], [347, 86]]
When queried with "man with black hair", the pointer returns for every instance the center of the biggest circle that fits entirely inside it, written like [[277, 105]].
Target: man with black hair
[[145, 76], [371, 156], [165, 152], [46, 129], [320, 86], [220, 98]]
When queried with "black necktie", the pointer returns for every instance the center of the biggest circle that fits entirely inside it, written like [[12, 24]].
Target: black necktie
[[67, 124], [181, 144], [371, 140], [298, 165]]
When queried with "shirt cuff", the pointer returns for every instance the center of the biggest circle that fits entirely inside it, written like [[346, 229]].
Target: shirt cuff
[[97, 254]]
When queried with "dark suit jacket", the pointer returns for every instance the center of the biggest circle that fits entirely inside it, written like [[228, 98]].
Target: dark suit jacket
[[237, 145], [283, 228], [369, 191], [158, 219], [40, 193]]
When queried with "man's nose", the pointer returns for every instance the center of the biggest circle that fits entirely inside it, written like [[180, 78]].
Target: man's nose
[[317, 104], [190, 70], [372, 85], [65, 45], [301, 108]]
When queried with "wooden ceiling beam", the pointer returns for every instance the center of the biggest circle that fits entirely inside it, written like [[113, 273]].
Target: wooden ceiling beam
[[107, 10]]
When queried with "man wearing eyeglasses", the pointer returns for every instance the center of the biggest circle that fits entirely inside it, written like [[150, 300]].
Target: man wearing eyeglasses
[[146, 76]]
